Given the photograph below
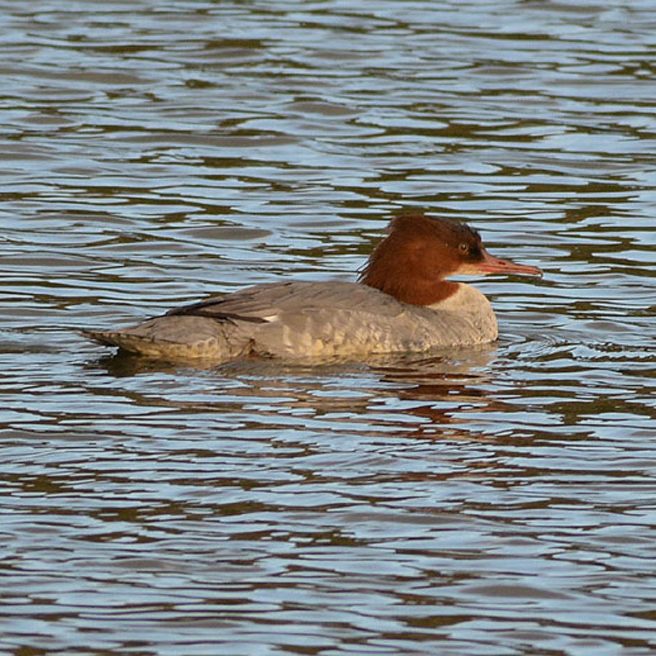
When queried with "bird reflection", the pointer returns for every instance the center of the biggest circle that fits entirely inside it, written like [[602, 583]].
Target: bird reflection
[[410, 396]]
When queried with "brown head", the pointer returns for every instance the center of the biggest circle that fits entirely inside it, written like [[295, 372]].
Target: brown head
[[419, 253]]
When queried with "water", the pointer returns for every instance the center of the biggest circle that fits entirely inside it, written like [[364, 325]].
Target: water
[[498, 501]]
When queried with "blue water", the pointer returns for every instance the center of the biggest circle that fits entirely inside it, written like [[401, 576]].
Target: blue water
[[496, 501]]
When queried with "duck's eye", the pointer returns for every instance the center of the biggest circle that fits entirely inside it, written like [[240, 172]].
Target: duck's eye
[[464, 248]]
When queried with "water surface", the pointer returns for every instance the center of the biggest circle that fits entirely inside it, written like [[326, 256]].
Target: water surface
[[495, 501]]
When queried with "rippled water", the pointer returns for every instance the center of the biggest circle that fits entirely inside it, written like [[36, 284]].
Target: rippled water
[[498, 501]]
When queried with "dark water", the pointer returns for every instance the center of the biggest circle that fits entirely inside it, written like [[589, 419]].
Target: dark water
[[495, 502]]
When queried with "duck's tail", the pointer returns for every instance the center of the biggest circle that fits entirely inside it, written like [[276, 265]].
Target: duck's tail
[[173, 338]]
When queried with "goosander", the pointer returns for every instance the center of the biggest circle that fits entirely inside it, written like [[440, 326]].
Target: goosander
[[401, 302]]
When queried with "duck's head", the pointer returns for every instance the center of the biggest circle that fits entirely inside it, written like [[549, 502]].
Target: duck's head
[[412, 263]]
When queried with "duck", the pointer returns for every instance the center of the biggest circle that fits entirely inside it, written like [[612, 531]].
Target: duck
[[402, 302]]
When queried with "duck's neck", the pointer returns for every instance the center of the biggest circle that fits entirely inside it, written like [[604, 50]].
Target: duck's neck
[[414, 292]]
